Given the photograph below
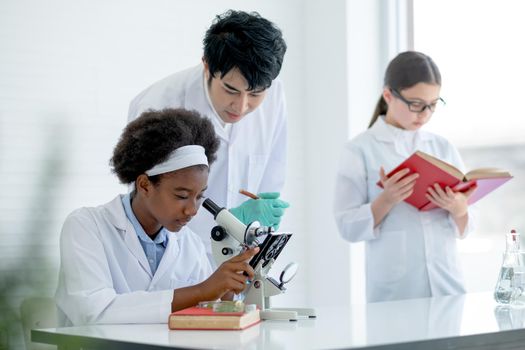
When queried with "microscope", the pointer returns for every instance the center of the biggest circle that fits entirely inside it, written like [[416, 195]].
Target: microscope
[[231, 236]]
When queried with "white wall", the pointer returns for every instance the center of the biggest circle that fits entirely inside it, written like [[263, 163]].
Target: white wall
[[366, 57], [326, 124]]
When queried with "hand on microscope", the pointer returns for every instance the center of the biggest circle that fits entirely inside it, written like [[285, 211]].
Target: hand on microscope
[[266, 208], [230, 277]]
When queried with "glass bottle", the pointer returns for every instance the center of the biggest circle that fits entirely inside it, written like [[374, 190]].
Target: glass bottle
[[510, 282]]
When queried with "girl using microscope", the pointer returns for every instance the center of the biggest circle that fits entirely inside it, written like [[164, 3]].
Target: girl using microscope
[[409, 253], [133, 260]]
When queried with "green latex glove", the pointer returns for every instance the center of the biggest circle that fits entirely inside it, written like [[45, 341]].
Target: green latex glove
[[268, 210]]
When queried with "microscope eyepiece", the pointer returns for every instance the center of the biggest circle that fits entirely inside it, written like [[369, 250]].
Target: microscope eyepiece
[[212, 207]]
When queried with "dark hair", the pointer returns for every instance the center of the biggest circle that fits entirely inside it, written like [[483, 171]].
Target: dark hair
[[248, 42], [404, 71], [152, 137]]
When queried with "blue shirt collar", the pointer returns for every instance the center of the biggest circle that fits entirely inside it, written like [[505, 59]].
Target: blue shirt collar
[[162, 236]]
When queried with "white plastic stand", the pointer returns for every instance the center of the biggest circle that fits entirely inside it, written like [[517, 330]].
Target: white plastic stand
[[260, 291]]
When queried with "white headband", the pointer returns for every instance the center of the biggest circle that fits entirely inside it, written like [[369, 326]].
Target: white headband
[[182, 157]]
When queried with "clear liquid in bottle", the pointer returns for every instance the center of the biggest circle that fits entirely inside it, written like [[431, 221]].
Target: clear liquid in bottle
[[510, 283], [504, 288]]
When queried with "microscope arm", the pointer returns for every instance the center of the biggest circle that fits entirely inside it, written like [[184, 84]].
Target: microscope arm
[[231, 236]]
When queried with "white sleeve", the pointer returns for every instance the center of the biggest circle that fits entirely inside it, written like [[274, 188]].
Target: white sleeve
[[157, 96], [352, 207], [87, 295], [133, 110], [470, 227]]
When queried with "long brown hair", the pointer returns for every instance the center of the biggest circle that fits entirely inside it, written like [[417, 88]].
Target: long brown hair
[[404, 71]]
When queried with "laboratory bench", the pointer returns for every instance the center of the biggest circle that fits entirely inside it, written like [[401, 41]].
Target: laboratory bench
[[469, 321]]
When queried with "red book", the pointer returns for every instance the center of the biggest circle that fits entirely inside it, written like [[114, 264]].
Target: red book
[[205, 318], [432, 170]]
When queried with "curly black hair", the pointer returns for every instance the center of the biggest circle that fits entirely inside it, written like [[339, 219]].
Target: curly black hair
[[152, 137], [246, 41]]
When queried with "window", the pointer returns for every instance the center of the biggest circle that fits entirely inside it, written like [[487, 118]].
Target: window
[[477, 45]]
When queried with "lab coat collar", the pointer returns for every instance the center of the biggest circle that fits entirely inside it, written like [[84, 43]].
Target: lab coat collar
[[383, 132], [162, 236], [116, 214], [226, 127], [117, 217], [171, 252], [196, 100]]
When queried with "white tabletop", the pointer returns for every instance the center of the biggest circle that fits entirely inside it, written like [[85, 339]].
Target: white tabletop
[[430, 323]]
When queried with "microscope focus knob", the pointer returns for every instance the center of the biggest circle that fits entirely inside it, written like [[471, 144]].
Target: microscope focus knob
[[227, 251], [218, 233]]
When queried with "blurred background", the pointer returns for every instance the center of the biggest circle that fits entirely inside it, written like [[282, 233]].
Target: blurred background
[[68, 70]]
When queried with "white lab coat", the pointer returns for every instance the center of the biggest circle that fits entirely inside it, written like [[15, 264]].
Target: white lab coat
[[251, 157], [410, 254], [105, 277]]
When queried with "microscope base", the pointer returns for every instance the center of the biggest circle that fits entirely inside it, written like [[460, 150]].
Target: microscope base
[[287, 314], [301, 312]]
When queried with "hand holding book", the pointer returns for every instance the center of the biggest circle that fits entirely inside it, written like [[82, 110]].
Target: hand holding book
[[433, 171], [454, 202], [398, 186]]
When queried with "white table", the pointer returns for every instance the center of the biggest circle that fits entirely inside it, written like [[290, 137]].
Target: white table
[[470, 321]]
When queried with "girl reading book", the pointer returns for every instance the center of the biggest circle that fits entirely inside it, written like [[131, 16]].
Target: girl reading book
[[132, 260], [409, 253]]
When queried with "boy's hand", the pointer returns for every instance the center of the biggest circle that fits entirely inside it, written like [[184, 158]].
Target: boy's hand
[[268, 210]]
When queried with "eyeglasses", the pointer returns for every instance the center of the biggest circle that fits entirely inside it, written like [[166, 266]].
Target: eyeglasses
[[418, 106]]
